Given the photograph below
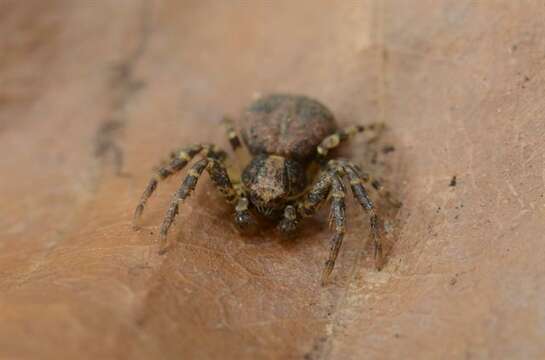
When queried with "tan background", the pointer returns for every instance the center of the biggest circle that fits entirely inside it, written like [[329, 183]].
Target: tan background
[[94, 93]]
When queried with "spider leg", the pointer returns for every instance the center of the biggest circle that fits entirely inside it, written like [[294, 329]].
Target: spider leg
[[218, 174], [317, 194], [334, 140], [244, 220], [337, 221], [359, 192], [179, 159], [329, 184], [376, 184], [240, 151], [289, 221], [183, 192]]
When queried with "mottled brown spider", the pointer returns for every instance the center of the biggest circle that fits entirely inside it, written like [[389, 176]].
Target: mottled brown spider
[[285, 135]]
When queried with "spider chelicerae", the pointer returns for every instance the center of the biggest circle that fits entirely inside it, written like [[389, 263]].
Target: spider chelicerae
[[290, 173]]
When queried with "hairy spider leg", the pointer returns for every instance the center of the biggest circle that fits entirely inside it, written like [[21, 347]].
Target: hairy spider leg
[[337, 222], [179, 159], [377, 186], [329, 184], [360, 193], [241, 153], [307, 204], [334, 140], [318, 192], [218, 175], [244, 219], [289, 221]]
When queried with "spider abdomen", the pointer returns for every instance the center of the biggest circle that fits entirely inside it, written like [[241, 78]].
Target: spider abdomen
[[286, 125]]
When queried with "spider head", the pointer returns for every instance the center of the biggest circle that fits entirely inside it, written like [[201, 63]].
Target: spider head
[[271, 180]]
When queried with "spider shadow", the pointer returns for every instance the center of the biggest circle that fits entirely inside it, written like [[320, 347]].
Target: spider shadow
[[389, 165], [308, 230], [267, 231]]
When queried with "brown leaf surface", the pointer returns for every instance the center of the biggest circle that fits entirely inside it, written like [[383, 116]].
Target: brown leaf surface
[[94, 94]]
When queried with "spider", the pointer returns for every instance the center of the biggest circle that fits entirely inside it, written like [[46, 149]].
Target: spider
[[289, 138]]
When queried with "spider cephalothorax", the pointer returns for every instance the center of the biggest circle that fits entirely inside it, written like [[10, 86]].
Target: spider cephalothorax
[[287, 136], [270, 180]]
